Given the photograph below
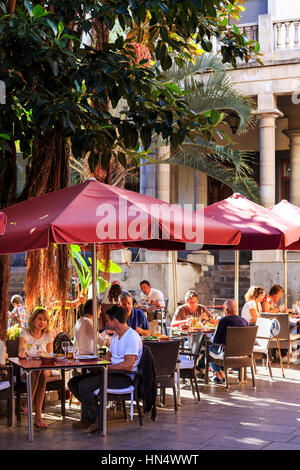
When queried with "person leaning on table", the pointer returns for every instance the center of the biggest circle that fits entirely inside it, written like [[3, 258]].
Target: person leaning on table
[[125, 352], [231, 318], [34, 339], [270, 301], [252, 308], [191, 307]]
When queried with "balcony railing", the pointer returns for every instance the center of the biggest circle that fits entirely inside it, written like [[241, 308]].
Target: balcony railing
[[250, 30], [286, 34]]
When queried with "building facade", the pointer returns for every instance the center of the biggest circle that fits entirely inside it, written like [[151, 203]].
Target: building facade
[[275, 141]]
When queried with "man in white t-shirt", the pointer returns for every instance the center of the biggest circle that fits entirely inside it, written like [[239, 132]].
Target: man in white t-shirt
[[152, 296], [124, 353]]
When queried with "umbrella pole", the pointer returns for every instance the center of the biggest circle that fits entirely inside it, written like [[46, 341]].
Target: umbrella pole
[[174, 279], [285, 276], [95, 296], [236, 277]]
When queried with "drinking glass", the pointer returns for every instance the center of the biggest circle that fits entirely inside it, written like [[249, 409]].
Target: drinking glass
[[156, 331], [70, 351], [65, 345]]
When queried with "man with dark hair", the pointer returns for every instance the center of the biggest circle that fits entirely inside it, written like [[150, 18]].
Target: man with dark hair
[[124, 353], [136, 318], [152, 296]]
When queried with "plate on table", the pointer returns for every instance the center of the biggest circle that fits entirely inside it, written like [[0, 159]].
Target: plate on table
[[59, 357], [86, 356]]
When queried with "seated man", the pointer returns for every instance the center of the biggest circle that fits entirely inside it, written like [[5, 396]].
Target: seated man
[[231, 318], [152, 296], [136, 318], [191, 307], [84, 330], [124, 353]]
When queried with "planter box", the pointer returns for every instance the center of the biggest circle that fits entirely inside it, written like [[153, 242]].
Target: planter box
[[12, 347]]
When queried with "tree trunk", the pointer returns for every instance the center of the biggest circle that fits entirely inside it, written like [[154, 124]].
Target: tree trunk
[[47, 278]]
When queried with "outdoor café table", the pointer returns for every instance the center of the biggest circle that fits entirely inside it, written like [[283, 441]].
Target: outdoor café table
[[32, 365]]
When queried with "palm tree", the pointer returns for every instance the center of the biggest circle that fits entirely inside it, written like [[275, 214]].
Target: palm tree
[[210, 92], [207, 91]]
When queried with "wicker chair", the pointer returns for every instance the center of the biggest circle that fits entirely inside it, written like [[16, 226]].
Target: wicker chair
[[238, 351], [6, 392], [165, 354]]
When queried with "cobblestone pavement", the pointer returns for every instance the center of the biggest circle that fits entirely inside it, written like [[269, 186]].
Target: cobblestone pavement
[[267, 417]]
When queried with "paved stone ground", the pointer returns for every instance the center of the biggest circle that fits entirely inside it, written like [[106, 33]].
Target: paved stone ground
[[242, 418]]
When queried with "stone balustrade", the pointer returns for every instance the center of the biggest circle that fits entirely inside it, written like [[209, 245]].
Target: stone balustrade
[[286, 34], [250, 30]]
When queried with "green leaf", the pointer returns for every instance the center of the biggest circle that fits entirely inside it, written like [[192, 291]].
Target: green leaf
[[38, 11]]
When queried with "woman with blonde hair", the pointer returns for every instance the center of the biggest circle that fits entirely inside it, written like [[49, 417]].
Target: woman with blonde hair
[[33, 340], [252, 308]]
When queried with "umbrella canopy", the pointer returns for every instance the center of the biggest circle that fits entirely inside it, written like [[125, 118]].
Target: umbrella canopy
[[94, 212], [2, 223], [291, 213], [260, 228]]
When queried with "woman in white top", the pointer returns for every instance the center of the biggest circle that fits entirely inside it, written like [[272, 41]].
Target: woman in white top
[[84, 330], [252, 308], [32, 341]]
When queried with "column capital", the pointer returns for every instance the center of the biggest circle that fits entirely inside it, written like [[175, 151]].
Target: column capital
[[273, 112], [292, 132]]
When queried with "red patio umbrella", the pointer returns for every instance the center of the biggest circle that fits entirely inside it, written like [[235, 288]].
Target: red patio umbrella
[[289, 212], [94, 212], [2, 222], [260, 228]]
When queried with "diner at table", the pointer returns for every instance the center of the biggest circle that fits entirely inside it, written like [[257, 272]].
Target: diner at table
[[151, 296], [124, 353], [252, 308], [231, 318], [192, 309], [113, 293], [269, 303], [84, 330], [136, 318], [34, 340]]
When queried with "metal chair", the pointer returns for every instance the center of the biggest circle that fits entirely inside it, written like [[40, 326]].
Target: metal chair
[[188, 361], [286, 338], [238, 350], [263, 338]]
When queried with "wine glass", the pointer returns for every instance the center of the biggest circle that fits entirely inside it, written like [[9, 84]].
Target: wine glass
[[65, 345]]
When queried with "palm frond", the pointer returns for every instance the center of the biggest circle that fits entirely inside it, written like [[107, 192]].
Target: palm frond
[[231, 167]]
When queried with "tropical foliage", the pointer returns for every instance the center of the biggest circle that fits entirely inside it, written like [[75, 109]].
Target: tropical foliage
[[84, 270]]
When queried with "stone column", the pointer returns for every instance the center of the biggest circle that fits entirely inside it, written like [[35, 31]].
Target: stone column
[[267, 155], [200, 192], [294, 136], [163, 175]]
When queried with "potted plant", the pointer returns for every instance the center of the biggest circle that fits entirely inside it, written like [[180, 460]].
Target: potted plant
[[12, 341]]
